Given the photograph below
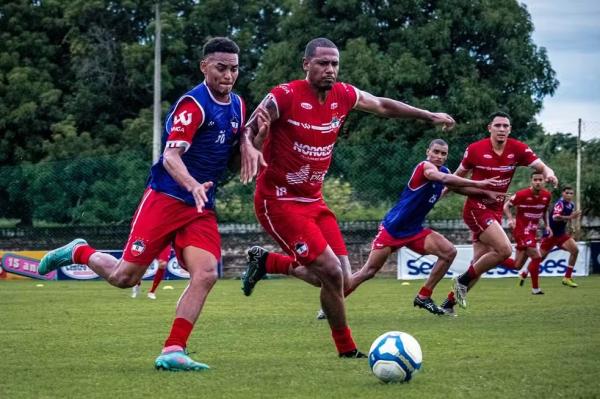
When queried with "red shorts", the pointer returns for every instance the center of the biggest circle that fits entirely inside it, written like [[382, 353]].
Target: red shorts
[[161, 220], [165, 254], [415, 242], [303, 229], [550, 242], [479, 219], [525, 240]]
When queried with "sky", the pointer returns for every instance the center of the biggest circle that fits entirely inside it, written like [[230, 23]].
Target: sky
[[570, 32]]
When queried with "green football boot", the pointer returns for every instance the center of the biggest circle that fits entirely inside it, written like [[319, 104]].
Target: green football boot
[[59, 257], [178, 361]]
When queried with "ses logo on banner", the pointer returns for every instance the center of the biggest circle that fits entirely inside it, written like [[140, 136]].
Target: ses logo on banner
[[176, 270], [412, 266]]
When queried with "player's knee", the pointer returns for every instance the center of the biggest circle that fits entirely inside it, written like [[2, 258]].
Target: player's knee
[[504, 251], [205, 276], [449, 254], [123, 280]]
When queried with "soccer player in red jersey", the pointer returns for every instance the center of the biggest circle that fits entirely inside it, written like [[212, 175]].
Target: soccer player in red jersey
[[496, 156], [162, 260], [201, 134], [306, 117], [562, 213], [532, 205]]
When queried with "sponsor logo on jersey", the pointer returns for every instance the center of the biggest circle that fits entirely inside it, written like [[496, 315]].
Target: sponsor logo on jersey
[[487, 156], [335, 123], [184, 118], [301, 248], [334, 105], [510, 156], [306, 106], [314, 151], [138, 247], [235, 125], [177, 129]]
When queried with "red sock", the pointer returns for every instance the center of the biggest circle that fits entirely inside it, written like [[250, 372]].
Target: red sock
[[534, 270], [160, 273], [278, 263], [451, 297], [425, 292], [343, 339], [82, 253], [508, 263], [569, 271], [180, 332]]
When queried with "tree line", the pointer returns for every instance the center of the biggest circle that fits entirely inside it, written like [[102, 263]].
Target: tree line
[[76, 92]]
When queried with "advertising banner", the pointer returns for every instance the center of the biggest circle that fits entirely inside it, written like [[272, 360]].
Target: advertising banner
[[413, 266], [24, 266]]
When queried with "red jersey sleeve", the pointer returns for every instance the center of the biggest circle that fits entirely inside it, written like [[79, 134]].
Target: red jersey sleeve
[[467, 161], [351, 95], [187, 118], [418, 178], [526, 155], [282, 95], [558, 209], [516, 198]]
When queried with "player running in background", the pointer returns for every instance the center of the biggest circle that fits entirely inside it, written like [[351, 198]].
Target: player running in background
[[200, 135], [162, 260], [402, 226], [306, 117], [495, 156], [562, 213], [532, 205]]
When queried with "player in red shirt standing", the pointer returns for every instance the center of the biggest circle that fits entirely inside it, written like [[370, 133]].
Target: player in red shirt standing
[[496, 156], [306, 117], [532, 205]]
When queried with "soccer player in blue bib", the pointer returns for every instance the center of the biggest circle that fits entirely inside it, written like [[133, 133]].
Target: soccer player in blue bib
[[402, 226], [201, 134]]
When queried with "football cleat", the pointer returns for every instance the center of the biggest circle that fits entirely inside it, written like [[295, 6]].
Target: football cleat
[[178, 361], [428, 305], [59, 257], [135, 291], [460, 293], [321, 315], [151, 295], [537, 292], [353, 354], [256, 269], [448, 308], [569, 282], [521, 280]]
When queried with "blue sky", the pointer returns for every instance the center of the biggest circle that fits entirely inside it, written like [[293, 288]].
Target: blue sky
[[570, 31]]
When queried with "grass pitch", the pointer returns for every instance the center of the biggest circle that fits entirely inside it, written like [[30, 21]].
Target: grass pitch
[[87, 339]]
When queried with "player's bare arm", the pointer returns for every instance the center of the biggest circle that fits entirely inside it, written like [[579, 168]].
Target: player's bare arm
[[254, 134], [387, 107], [176, 168], [539, 166], [453, 181], [547, 228], [508, 213]]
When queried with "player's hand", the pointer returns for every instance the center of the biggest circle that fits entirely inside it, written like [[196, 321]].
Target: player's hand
[[199, 194], [552, 180], [440, 118], [548, 231], [494, 182], [252, 160], [511, 223], [576, 214]]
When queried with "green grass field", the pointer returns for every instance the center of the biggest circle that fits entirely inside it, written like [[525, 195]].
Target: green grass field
[[87, 339]]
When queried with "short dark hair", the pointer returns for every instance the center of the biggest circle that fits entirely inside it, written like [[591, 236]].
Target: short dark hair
[[220, 45], [311, 47], [500, 114], [535, 172], [438, 142], [567, 187]]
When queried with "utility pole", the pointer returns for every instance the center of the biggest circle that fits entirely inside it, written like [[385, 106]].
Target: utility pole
[[156, 123], [577, 226]]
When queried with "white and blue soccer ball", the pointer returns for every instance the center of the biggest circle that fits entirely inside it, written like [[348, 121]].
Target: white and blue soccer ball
[[395, 356]]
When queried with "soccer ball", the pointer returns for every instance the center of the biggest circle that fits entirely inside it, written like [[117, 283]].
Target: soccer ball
[[395, 356]]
